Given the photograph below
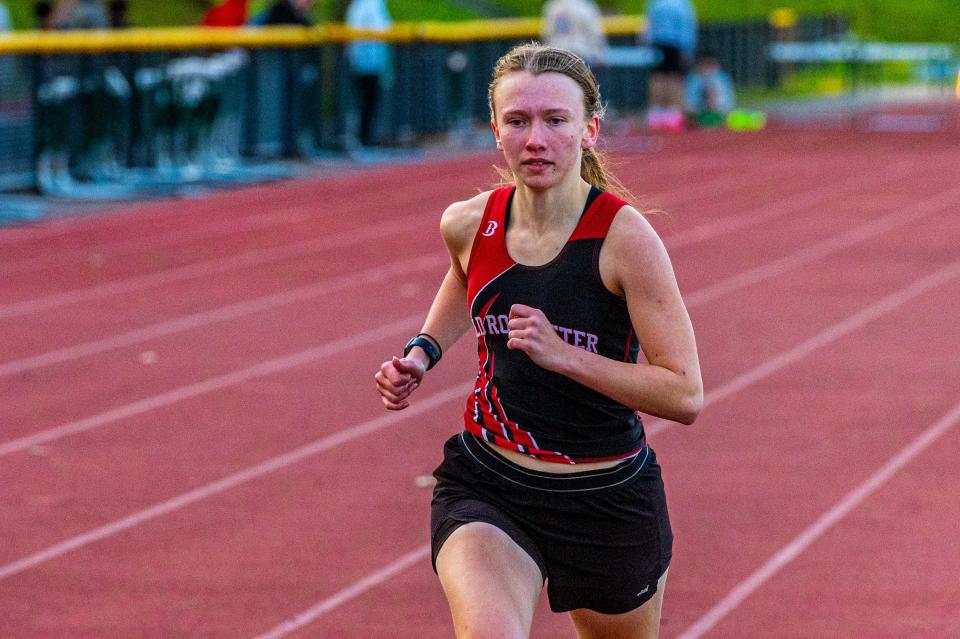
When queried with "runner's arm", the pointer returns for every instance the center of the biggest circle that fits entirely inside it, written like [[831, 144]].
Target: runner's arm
[[448, 318], [668, 384]]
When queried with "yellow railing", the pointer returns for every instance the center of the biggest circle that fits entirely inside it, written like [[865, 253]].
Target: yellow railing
[[52, 42]]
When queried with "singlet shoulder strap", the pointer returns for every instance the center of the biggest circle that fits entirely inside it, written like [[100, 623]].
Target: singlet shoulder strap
[[491, 225], [598, 217]]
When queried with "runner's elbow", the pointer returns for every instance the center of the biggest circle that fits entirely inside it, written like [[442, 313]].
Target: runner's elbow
[[690, 406]]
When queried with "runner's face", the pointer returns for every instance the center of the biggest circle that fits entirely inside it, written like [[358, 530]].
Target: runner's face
[[540, 126]]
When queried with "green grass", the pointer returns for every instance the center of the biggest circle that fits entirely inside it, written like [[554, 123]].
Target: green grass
[[890, 20], [188, 12]]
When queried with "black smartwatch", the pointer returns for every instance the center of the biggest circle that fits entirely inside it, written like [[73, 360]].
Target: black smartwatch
[[429, 346]]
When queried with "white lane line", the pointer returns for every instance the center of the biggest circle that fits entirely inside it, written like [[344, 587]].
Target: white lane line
[[856, 235], [284, 216], [135, 221], [212, 384], [816, 530], [746, 587], [423, 405], [792, 203], [653, 427], [836, 331], [694, 299], [224, 313], [351, 592], [826, 336], [124, 219], [255, 257], [210, 230], [715, 187]]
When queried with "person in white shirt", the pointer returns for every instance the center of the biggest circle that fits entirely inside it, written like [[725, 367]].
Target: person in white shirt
[[577, 26]]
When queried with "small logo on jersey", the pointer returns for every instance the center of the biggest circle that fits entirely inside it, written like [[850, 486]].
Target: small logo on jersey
[[644, 591], [490, 230]]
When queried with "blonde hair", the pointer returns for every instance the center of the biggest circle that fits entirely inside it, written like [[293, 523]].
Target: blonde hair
[[536, 59]]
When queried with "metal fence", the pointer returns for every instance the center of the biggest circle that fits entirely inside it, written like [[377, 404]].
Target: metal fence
[[106, 114]]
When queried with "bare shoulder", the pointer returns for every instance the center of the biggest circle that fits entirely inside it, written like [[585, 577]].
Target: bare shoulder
[[632, 236], [460, 221], [633, 253]]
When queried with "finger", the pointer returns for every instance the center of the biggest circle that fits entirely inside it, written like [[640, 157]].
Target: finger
[[518, 323], [518, 344], [391, 381], [399, 390], [521, 310], [518, 334], [390, 372], [408, 366], [394, 398], [395, 406]]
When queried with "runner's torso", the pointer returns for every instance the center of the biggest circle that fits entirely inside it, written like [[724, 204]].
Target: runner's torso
[[518, 405]]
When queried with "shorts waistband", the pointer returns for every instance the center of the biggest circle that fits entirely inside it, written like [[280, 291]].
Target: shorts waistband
[[554, 482]]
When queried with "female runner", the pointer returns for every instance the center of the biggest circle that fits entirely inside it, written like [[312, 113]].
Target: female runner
[[552, 480]]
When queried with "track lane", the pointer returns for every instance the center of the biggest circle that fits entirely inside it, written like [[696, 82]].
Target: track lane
[[208, 423], [771, 467], [720, 178], [689, 494], [444, 613], [24, 363], [224, 343], [378, 484], [102, 268]]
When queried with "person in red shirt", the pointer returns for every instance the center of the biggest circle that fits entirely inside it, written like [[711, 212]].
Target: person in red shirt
[[229, 13]]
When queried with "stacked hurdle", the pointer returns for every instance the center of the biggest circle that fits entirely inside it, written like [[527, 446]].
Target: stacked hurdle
[[185, 133]]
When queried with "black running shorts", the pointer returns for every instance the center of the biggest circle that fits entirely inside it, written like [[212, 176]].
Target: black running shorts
[[602, 539]]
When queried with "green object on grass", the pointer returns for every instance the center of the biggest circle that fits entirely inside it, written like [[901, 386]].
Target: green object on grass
[[746, 120], [710, 119]]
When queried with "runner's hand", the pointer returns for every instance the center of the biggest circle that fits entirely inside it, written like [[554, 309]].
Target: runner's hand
[[532, 333], [396, 379]]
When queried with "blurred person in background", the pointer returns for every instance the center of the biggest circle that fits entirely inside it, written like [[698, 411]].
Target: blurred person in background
[[80, 14], [6, 24], [369, 61], [43, 15], [672, 32], [577, 26], [288, 12], [229, 13], [708, 92], [6, 62], [118, 14]]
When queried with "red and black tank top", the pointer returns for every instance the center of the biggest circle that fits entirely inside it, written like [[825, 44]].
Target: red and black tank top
[[515, 403]]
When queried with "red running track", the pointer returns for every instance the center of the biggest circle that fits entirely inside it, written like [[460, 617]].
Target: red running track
[[191, 444]]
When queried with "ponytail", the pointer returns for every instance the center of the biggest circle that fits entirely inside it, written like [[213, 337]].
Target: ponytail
[[593, 170]]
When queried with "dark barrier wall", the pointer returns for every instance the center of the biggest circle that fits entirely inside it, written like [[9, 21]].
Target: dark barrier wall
[[92, 106]]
